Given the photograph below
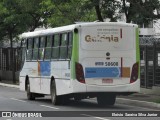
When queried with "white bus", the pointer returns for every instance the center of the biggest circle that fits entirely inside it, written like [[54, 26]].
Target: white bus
[[82, 61]]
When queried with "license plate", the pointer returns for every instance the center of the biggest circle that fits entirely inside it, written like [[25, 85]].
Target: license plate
[[107, 80]]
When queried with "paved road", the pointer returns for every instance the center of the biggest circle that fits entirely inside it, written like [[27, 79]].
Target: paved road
[[12, 99]]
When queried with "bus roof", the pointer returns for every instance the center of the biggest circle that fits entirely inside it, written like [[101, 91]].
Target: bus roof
[[72, 27]]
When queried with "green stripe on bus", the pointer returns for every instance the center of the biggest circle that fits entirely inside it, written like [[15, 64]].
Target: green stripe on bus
[[137, 50], [75, 54]]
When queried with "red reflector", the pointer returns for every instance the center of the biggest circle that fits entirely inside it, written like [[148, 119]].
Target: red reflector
[[134, 74], [80, 73]]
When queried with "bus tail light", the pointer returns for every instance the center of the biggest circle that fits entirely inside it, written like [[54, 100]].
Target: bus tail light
[[134, 74], [80, 73]]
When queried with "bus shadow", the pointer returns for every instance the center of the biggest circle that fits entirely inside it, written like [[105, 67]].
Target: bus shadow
[[83, 104]]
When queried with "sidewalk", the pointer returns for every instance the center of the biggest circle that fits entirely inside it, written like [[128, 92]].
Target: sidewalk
[[137, 99], [8, 84], [141, 100]]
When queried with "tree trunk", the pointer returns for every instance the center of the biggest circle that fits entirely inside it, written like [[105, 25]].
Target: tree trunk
[[98, 12], [125, 10]]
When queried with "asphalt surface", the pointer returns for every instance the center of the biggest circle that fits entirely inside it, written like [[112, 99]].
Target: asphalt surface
[[12, 99]]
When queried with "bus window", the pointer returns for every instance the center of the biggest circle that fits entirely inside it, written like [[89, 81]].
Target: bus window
[[30, 43], [49, 41], [36, 43], [55, 48], [35, 49], [42, 42], [48, 48], [41, 49], [63, 47], [70, 37], [29, 49], [56, 40]]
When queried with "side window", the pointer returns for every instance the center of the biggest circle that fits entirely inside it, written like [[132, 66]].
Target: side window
[[35, 48], [42, 46], [29, 43], [56, 40], [49, 41], [63, 47], [29, 49], [70, 40], [36, 42], [42, 43], [55, 48], [48, 49], [23, 48]]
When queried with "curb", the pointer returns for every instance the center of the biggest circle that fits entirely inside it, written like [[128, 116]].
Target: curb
[[137, 103], [9, 85]]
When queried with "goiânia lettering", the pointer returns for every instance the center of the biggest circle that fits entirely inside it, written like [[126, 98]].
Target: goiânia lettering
[[111, 38]]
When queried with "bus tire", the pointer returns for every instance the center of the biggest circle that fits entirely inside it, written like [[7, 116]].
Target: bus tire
[[30, 95], [54, 98], [106, 99]]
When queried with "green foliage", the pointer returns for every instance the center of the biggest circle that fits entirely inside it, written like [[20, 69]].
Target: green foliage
[[18, 16], [11, 21], [140, 12], [71, 11], [110, 9]]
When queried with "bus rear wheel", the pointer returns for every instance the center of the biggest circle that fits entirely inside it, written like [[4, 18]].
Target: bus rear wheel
[[54, 98], [30, 96], [106, 99]]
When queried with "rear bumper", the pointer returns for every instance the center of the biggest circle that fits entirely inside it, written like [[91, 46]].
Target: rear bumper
[[85, 88], [133, 87]]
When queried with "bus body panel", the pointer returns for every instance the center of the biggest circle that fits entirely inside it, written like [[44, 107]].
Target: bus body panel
[[107, 54], [98, 71], [105, 50], [22, 83], [126, 88], [60, 70]]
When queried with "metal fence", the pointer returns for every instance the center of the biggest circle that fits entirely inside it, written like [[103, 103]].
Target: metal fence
[[10, 63], [150, 61], [10, 59]]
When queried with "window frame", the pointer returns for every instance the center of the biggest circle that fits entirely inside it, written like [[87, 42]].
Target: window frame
[[27, 49], [34, 38], [48, 47], [68, 45]]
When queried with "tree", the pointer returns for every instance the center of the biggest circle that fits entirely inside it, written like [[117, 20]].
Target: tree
[[11, 22], [71, 11], [140, 12], [36, 12]]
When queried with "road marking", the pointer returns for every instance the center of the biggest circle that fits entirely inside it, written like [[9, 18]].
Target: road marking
[[138, 107], [17, 100], [100, 118], [49, 107]]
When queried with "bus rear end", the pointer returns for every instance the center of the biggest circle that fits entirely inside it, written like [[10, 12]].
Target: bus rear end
[[109, 59]]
